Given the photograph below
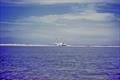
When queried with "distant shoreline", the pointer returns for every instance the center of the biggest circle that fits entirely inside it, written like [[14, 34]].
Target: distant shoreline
[[51, 45]]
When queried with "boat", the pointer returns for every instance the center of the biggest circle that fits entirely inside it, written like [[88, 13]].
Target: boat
[[60, 44]]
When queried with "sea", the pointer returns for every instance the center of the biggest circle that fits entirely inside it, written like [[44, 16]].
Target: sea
[[59, 63]]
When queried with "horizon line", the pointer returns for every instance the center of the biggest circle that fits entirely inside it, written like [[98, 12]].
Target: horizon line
[[55, 45]]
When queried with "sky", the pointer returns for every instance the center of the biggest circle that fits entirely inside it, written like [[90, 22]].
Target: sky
[[76, 22]]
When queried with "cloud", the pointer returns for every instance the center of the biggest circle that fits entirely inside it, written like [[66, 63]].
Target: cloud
[[59, 1], [89, 15], [87, 26], [81, 27]]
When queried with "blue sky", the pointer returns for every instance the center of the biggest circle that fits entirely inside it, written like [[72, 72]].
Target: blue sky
[[73, 21]]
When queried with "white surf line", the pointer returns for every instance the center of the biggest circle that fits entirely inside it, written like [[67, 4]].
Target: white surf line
[[104, 46], [94, 46], [23, 45], [50, 45]]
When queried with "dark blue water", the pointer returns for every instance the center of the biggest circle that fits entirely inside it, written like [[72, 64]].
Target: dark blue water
[[59, 63]]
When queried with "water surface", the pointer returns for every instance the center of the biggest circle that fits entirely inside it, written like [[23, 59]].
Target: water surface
[[59, 63]]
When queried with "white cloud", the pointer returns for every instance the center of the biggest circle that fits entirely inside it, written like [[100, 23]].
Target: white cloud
[[59, 1], [87, 27], [88, 15]]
